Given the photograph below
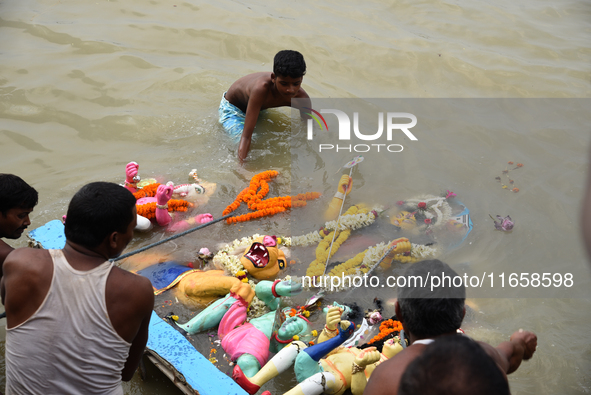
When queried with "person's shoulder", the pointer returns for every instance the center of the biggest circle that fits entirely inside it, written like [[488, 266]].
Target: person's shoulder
[[497, 357], [253, 81], [389, 372], [132, 287], [5, 249], [302, 94], [26, 258], [261, 83], [28, 267], [140, 283], [382, 379], [407, 355]]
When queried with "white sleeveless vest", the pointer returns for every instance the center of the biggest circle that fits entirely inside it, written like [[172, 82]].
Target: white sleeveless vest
[[68, 346]]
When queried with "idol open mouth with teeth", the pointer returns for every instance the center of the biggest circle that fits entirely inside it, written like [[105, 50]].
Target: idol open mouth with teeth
[[258, 255]]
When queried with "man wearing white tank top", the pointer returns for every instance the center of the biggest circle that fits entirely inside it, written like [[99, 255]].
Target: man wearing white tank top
[[77, 324], [428, 315]]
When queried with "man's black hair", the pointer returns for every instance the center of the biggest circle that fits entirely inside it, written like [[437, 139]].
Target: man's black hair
[[97, 210], [15, 193], [453, 365], [289, 63], [429, 313]]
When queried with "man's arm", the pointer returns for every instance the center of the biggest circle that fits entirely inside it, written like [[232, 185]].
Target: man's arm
[[2, 290], [145, 304], [303, 102], [5, 249], [253, 108], [136, 350], [508, 355]]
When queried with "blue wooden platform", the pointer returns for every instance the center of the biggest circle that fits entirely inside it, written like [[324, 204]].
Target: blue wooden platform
[[198, 372]]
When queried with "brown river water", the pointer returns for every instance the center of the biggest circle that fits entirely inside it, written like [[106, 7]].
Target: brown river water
[[86, 87]]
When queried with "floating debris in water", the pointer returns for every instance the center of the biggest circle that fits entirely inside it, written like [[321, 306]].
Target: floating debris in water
[[511, 182], [505, 224]]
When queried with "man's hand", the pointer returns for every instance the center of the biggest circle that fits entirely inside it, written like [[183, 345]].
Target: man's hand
[[529, 341], [509, 354]]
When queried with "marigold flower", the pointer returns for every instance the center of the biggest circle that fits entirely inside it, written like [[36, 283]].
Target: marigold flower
[[386, 328], [272, 206]]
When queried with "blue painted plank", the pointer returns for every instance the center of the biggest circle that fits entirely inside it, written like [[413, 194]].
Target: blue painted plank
[[200, 374], [51, 235]]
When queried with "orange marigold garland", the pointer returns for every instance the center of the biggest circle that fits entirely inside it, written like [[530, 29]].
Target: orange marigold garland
[[147, 191], [148, 210], [253, 197], [386, 328]]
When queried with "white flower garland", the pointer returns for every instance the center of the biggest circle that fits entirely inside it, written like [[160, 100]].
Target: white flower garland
[[257, 307], [306, 240], [370, 259], [352, 221], [229, 261], [232, 264]]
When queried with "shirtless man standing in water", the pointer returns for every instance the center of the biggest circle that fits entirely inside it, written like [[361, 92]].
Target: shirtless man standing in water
[[242, 103]]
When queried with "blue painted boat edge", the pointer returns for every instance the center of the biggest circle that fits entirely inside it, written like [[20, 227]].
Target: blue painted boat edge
[[199, 373], [51, 235]]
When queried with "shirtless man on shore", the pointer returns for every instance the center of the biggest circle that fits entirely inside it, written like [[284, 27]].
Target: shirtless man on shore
[[242, 103]]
